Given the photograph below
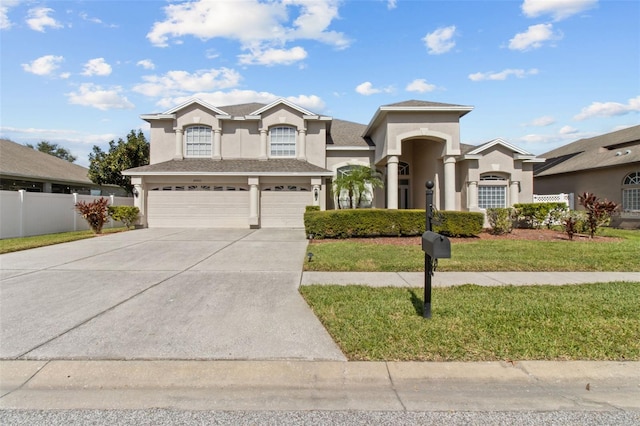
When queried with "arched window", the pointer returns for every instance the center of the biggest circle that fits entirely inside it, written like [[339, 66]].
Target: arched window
[[492, 191], [403, 169], [282, 141], [631, 192], [197, 141]]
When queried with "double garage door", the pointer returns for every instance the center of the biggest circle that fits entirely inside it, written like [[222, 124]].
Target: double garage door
[[225, 206]]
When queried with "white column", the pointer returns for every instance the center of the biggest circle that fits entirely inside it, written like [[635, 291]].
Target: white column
[[317, 188], [263, 144], [514, 191], [217, 135], [392, 183], [254, 201], [449, 183], [302, 144], [472, 195], [179, 143]]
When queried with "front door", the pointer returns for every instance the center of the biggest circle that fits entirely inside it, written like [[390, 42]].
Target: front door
[[403, 194]]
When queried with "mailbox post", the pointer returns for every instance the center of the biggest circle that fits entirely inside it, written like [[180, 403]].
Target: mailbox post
[[435, 246]]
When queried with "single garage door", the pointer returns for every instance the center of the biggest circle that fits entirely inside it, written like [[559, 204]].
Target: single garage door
[[198, 206], [282, 206]]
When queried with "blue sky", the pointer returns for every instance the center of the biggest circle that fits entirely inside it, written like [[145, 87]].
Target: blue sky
[[539, 73]]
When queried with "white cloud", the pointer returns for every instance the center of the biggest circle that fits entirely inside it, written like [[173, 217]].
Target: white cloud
[[534, 37], [44, 65], [420, 85], [179, 83], [543, 121], [392, 4], [233, 97], [97, 66], [147, 64], [608, 109], [558, 9], [39, 19], [440, 41], [95, 96], [568, 130], [502, 75], [5, 22], [367, 89], [273, 56], [258, 26]]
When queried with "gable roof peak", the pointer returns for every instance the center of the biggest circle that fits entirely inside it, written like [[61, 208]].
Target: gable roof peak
[[192, 101], [285, 102]]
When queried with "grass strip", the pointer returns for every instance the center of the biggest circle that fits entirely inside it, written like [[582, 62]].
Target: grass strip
[[9, 245], [472, 323], [484, 256]]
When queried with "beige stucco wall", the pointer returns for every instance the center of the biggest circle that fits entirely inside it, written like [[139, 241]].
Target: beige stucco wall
[[240, 139], [163, 141], [604, 183]]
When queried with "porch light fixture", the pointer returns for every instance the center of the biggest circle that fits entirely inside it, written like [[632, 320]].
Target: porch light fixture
[[315, 194], [135, 193]]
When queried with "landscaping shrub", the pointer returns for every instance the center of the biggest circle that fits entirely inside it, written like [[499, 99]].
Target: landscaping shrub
[[388, 223], [501, 220], [128, 215], [598, 212], [312, 209], [534, 215], [95, 213], [575, 222]]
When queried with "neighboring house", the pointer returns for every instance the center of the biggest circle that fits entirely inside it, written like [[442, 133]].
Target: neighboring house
[[25, 168], [606, 165], [256, 165]]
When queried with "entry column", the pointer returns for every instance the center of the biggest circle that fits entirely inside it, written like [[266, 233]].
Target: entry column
[[449, 183], [392, 182]]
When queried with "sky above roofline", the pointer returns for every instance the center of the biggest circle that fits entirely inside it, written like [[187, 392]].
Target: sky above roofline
[[538, 73]]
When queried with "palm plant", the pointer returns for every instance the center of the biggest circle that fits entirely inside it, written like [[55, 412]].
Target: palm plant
[[356, 182]]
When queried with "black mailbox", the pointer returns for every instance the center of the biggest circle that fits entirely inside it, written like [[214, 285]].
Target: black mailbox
[[435, 245]]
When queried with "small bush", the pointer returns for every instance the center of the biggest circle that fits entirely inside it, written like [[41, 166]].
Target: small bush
[[355, 223], [501, 220], [128, 215], [598, 212], [575, 222], [535, 215], [95, 213]]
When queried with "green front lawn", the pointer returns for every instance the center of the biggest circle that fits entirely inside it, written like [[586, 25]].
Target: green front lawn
[[471, 323], [484, 255], [16, 244]]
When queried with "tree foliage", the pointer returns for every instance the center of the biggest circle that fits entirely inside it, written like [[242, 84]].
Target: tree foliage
[[107, 167], [54, 149], [357, 181]]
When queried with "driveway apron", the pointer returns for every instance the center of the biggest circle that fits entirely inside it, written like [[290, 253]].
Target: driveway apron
[[162, 294]]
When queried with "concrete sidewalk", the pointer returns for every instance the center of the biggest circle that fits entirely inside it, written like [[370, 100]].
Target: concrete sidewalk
[[328, 385], [447, 279]]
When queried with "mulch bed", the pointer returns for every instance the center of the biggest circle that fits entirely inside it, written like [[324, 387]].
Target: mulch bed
[[516, 234]]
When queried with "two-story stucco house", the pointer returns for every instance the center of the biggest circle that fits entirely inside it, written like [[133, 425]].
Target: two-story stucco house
[[256, 165]]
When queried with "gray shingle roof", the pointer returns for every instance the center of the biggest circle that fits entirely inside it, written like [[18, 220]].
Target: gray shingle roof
[[347, 133], [597, 152], [274, 166], [21, 161], [416, 103], [241, 110]]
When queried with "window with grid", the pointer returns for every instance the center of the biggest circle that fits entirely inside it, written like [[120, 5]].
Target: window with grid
[[282, 141], [494, 194], [198, 141], [631, 192]]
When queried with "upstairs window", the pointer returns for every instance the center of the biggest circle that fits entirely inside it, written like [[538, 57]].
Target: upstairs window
[[282, 141], [197, 141], [631, 192]]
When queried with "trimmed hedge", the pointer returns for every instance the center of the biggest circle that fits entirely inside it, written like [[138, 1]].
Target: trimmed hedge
[[534, 215], [358, 223]]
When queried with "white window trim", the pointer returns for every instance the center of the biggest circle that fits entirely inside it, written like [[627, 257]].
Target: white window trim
[[633, 185], [185, 144], [295, 142]]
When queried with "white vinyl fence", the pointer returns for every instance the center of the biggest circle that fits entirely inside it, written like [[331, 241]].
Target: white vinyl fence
[[23, 214], [555, 198]]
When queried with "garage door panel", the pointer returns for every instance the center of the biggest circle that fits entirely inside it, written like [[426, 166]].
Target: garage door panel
[[284, 209], [198, 209]]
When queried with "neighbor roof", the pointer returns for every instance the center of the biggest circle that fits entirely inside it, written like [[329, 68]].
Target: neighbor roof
[[20, 161], [207, 166], [608, 150]]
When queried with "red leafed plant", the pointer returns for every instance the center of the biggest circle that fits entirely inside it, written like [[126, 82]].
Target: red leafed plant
[[598, 212], [95, 213]]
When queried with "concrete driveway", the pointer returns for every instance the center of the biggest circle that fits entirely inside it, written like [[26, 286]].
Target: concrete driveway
[[162, 294]]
